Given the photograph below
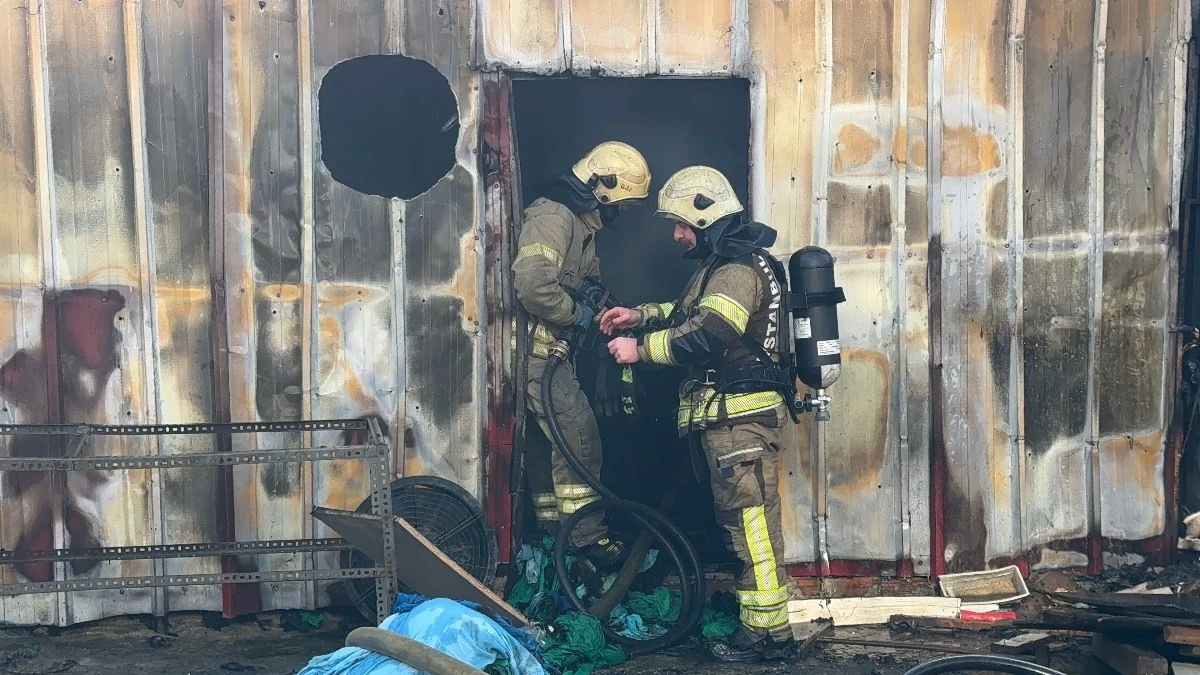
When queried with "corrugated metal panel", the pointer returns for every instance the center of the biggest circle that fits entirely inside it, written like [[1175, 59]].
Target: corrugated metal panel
[[1028, 150], [997, 178]]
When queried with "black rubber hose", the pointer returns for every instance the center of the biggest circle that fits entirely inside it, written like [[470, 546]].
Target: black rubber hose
[[981, 662], [424, 658], [690, 571]]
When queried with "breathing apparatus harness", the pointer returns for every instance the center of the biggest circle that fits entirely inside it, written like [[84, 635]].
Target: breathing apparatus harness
[[764, 373]]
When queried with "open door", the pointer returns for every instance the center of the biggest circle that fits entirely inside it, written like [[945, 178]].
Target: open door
[[505, 325]]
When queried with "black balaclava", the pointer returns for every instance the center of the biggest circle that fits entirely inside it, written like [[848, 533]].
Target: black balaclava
[[577, 196], [731, 237]]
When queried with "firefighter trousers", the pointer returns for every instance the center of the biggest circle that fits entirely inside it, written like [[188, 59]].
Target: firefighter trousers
[[578, 424], [742, 462]]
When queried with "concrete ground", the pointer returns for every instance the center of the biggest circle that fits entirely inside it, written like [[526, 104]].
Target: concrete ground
[[278, 644]]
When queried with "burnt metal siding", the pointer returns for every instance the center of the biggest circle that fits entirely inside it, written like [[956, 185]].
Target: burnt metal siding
[[173, 250], [998, 180]]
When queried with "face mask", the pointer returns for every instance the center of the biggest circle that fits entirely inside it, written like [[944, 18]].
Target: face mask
[[609, 214]]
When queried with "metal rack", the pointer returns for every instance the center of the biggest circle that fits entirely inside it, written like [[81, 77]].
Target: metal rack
[[374, 451]]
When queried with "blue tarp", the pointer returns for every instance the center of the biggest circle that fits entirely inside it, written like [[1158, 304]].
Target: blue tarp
[[451, 627]]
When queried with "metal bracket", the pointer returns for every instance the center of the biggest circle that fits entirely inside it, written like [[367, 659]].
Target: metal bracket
[[376, 451]]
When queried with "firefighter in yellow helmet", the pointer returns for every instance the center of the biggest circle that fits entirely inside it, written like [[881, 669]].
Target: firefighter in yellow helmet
[[725, 329], [556, 251]]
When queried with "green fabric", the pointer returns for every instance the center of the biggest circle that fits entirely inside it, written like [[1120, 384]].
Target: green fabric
[[314, 619], [536, 600], [661, 605], [499, 667], [578, 646], [717, 625]]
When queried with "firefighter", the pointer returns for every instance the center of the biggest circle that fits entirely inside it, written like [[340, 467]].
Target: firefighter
[[556, 251], [725, 324]]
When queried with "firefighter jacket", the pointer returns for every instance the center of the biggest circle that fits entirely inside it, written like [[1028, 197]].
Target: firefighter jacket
[[725, 300], [556, 250]]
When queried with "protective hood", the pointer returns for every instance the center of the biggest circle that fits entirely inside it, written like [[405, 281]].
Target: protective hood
[[577, 196], [732, 237]]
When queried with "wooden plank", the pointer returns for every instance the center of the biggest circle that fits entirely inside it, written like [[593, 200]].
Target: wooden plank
[[1178, 606], [1182, 635], [1127, 659], [263, 269], [807, 634], [1098, 622], [420, 565], [875, 610], [1021, 644]]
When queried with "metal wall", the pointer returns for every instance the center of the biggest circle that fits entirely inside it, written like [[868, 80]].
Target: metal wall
[[998, 179], [172, 249]]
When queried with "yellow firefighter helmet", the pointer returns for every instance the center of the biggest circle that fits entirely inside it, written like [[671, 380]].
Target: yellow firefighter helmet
[[615, 172], [698, 196]]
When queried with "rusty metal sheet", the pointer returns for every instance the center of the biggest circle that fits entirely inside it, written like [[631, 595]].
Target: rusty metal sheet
[[696, 38], [176, 40], [974, 285], [1056, 330], [615, 37], [19, 237], [100, 309], [785, 105], [442, 284], [263, 270], [523, 35], [912, 382], [353, 346], [1139, 70], [861, 448], [24, 193]]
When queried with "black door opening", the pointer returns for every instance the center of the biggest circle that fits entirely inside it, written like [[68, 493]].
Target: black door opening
[[674, 123]]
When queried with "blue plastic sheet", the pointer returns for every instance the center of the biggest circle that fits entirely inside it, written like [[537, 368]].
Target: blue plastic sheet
[[446, 625]]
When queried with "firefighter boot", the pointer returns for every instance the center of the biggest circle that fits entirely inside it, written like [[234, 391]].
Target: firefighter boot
[[743, 647], [606, 553]]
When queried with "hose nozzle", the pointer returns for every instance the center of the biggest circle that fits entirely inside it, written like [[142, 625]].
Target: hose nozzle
[[560, 350]]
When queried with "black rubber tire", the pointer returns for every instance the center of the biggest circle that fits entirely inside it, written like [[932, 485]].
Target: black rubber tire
[[983, 662]]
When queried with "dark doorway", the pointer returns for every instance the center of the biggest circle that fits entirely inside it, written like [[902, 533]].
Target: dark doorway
[[674, 123]]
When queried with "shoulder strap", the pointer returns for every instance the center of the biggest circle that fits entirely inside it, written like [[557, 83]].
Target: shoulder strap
[[785, 333]]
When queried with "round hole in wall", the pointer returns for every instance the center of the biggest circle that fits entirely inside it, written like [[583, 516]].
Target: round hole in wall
[[389, 125]]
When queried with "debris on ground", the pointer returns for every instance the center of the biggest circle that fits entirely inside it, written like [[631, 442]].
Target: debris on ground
[[456, 628], [1141, 619], [999, 586]]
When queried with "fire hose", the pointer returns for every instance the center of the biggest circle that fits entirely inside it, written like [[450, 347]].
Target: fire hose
[[655, 527]]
